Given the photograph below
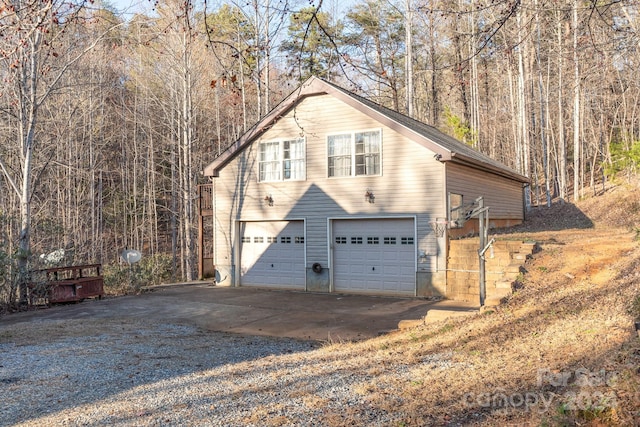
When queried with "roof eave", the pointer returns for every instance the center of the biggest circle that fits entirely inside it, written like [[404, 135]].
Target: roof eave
[[467, 161], [316, 86], [312, 86], [439, 150]]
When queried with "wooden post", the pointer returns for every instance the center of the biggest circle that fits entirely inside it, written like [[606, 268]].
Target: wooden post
[[481, 231], [200, 236]]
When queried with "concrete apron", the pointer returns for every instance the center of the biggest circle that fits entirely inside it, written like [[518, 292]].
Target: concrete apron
[[250, 311]]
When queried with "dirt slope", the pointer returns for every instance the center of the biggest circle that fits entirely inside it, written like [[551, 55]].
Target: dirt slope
[[561, 351]]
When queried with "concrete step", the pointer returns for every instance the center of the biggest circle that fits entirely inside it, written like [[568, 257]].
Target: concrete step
[[410, 323], [437, 315], [493, 301], [520, 256], [447, 309]]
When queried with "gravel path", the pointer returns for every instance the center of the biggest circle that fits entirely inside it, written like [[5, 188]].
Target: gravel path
[[63, 373]]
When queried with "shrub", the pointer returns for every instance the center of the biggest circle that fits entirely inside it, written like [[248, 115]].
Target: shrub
[[124, 279], [624, 158], [7, 288], [8, 282]]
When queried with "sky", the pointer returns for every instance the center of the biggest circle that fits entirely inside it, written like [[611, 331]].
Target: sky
[[130, 7]]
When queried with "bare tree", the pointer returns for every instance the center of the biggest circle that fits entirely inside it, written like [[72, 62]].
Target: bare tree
[[576, 101], [35, 59]]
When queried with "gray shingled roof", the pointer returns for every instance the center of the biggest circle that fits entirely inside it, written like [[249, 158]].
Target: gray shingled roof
[[449, 148], [463, 152]]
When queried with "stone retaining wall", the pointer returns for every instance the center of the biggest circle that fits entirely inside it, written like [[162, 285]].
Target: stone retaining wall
[[503, 265]]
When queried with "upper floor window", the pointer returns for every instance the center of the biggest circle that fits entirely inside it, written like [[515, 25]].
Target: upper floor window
[[282, 160], [355, 154]]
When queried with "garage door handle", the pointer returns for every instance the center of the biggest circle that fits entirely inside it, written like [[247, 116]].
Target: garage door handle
[[373, 268], [271, 265]]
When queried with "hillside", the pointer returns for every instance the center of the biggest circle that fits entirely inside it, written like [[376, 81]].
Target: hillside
[[561, 351]]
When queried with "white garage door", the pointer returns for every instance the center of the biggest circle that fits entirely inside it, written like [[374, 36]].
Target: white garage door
[[272, 254], [374, 256]]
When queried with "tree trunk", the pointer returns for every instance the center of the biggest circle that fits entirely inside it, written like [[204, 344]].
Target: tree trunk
[[562, 145], [543, 115], [27, 121], [523, 131], [409, 57], [187, 173], [475, 95], [435, 104], [267, 60], [576, 105]]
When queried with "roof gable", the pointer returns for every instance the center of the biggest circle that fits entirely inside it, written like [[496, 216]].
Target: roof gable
[[447, 149]]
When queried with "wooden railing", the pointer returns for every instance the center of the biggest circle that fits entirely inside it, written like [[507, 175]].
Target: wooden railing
[[67, 284]]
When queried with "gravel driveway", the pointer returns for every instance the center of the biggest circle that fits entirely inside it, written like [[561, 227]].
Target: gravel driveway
[[137, 370], [141, 374]]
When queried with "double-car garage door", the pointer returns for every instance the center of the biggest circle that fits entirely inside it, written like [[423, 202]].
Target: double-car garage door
[[375, 256]]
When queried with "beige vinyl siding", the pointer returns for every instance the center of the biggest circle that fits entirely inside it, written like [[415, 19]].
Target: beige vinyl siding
[[503, 196], [412, 182]]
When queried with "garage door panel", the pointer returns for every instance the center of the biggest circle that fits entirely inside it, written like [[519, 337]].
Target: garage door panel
[[374, 256], [272, 254]]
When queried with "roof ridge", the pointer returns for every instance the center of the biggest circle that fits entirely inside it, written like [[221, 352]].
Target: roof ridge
[[447, 147], [425, 129]]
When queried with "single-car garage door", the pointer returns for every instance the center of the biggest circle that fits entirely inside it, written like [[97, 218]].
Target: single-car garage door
[[374, 256], [272, 254]]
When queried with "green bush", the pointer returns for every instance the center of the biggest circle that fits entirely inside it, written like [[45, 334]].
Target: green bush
[[9, 280], [624, 158]]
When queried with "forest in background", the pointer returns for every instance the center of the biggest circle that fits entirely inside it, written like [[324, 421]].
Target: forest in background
[[108, 120]]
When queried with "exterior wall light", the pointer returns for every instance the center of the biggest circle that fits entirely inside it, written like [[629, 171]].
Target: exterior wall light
[[268, 200], [369, 196]]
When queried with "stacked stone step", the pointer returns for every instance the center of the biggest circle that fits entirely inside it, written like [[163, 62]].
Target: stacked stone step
[[518, 254], [462, 270], [504, 263]]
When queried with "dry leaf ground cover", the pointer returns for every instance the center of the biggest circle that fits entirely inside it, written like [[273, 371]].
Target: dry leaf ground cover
[[561, 351]]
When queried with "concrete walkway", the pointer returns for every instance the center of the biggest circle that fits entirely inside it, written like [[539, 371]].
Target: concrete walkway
[[302, 315]]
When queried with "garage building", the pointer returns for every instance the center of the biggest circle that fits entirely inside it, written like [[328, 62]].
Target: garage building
[[331, 192]]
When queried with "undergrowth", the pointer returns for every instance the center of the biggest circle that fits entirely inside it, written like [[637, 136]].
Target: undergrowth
[[120, 279]]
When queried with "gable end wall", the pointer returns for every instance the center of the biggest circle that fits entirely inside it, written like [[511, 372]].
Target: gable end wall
[[412, 184]]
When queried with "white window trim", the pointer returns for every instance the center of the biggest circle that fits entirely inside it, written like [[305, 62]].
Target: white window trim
[[353, 152], [281, 159]]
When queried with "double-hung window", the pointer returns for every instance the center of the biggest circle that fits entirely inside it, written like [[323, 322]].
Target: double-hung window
[[282, 160], [355, 154]]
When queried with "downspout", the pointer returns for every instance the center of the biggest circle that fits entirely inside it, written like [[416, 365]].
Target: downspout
[[447, 214], [200, 236], [525, 207]]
